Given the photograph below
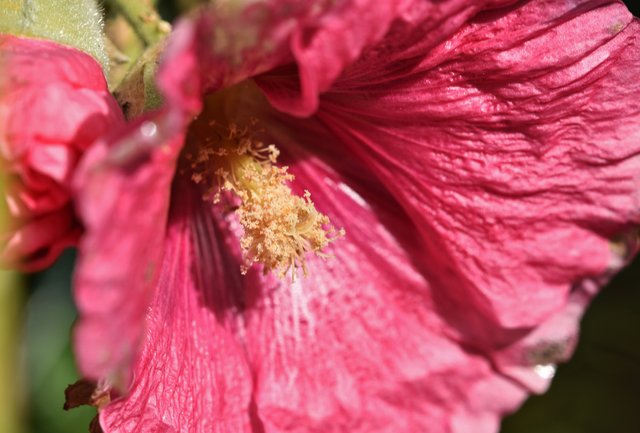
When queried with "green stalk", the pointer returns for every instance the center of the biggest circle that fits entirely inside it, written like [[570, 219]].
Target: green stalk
[[12, 386], [143, 18]]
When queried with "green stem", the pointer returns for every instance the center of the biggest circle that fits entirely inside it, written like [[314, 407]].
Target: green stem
[[12, 388], [143, 18]]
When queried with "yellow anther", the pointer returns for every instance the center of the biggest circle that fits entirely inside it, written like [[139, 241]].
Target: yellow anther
[[280, 228]]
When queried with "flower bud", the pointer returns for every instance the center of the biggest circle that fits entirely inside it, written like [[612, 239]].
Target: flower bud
[[54, 103]]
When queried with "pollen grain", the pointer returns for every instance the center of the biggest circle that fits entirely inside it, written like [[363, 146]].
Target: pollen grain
[[279, 227]]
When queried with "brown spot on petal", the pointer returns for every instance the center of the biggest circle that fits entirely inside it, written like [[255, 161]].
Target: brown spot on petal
[[616, 28], [78, 394], [550, 352], [87, 392]]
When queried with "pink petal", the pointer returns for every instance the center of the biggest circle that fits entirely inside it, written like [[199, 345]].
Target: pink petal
[[38, 195], [356, 346], [555, 339], [359, 344], [39, 79], [314, 41], [123, 198], [38, 242], [513, 170], [54, 160], [200, 58], [324, 47], [54, 103], [191, 374], [86, 115]]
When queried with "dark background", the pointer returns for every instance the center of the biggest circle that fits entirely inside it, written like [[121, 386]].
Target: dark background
[[597, 392]]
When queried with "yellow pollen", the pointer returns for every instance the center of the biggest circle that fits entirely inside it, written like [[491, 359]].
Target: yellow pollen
[[279, 228]]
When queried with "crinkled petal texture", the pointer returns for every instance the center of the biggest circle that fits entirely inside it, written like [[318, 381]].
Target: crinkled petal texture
[[54, 103], [481, 157]]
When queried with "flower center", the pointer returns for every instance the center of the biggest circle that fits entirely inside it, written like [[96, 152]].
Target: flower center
[[280, 228]]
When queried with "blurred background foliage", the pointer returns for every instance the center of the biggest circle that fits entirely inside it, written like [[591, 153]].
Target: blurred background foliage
[[597, 392]]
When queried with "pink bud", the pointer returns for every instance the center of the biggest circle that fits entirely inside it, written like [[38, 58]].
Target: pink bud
[[54, 103]]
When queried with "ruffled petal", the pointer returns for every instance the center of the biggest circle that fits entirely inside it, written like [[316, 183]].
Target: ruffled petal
[[513, 146], [325, 48], [123, 192], [191, 375], [35, 244], [358, 345], [313, 42], [39, 77], [554, 340], [40, 143], [220, 46], [485, 152]]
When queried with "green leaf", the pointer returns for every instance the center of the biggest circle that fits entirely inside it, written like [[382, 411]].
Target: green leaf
[[77, 23]]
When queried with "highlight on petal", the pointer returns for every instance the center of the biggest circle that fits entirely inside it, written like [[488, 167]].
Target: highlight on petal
[[40, 144]]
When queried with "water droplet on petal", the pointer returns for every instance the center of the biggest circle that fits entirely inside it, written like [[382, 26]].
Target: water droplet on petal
[[545, 371], [148, 129]]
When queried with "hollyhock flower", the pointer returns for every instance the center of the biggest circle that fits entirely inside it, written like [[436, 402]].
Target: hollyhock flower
[[54, 103], [482, 158]]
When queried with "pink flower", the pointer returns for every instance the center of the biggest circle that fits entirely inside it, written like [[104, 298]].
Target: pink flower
[[481, 157], [54, 103]]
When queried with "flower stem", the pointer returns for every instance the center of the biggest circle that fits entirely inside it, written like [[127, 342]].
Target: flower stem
[[12, 388], [143, 18]]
